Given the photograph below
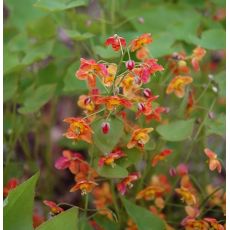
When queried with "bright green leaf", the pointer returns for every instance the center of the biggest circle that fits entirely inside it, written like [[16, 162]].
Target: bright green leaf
[[75, 35], [217, 125], [105, 52], [9, 87], [144, 219], [177, 130], [221, 80], [18, 211], [107, 142], [67, 219]]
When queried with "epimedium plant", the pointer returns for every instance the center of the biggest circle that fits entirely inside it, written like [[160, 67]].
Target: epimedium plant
[[119, 177]]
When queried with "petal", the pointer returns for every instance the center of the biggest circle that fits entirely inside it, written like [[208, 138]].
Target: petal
[[62, 163]]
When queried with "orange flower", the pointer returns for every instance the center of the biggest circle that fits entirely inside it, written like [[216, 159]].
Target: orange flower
[[54, 208], [139, 138], [78, 129], [11, 184], [108, 79], [150, 192], [85, 102], [214, 223], [156, 114], [214, 163], [177, 85], [131, 225], [191, 223], [139, 42], [89, 70], [116, 42], [85, 186], [161, 156], [186, 196], [145, 108], [190, 103], [37, 220], [127, 182], [112, 102], [142, 54], [111, 157], [197, 56]]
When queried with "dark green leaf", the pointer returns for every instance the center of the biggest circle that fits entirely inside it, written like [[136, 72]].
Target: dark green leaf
[[221, 80], [67, 219], [144, 219], [177, 130], [133, 156], [9, 87], [18, 211], [217, 125]]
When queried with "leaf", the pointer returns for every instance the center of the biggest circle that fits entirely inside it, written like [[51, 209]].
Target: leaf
[[144, 219], [9, 87], [40, 97], [221, 80], [105, 223], [216, 126], [132, 157], [59, 5], [18, 211], [177, 130], [110, 172], [106, 52], [71, 83], [213, 39], [75, 35], [61, 221], [107, 142]]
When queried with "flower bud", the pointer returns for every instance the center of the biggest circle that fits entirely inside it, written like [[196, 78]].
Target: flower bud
[[130, 64], [147, 92], [182, 63], [141, 106], [172, 172], [105, 126], [87, 100]]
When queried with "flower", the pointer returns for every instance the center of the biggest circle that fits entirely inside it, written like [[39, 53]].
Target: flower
[[111, 157], [142, 53], [214, 163], [186, 196], [177, 85], [139, 42], [85, 186], [85, 102], [197, 55], [190, 103], [150, 192], [112, 102], [191, 223], [54, 208], [182, 169], [105, 126], [89, 70], [116, 42], [156, 113], [37, 220], [78, 129], [130, 64], [127, 182], [161, 156], [139, 138], [108, 79], [11, 184], [74, 161], [214, 223]]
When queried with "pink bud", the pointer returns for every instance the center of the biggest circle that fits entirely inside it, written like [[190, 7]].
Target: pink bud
[[141, 106], [147, 92], [182, 169], [105, 126], [87, 101], [172, 172], [130, 64]]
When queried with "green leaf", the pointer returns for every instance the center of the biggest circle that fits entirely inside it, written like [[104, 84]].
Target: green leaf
[[177, 130], [221, 80], [132, 157], [213, 39], [18, 211], [67, 219], [107, 142], [76, 35], [144, 219], [40, 97], [105, 223], [217, 125], [71, 83], [110, 172], [59, 5], [9, 87], [106, 52]]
